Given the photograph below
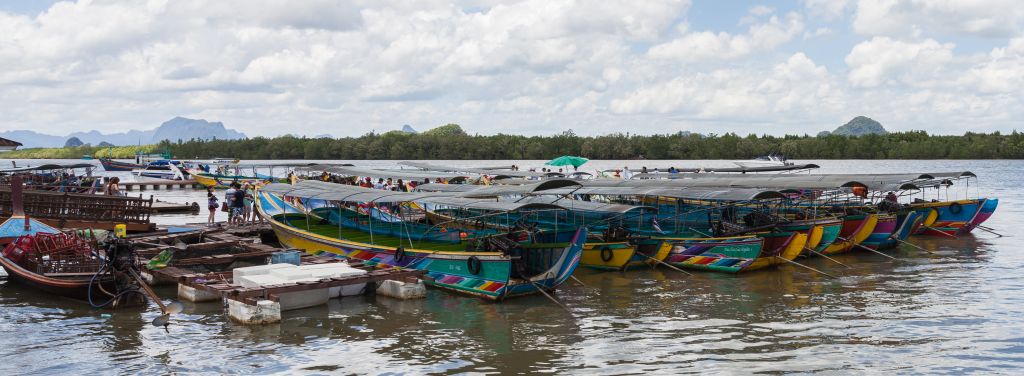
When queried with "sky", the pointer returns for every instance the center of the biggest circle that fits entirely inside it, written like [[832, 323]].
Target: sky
[[533, 67]]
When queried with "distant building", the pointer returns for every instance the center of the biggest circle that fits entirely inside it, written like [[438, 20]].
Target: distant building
[[8, 145]]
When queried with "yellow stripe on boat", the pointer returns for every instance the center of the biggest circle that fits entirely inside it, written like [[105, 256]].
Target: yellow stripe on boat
[[865, 231]]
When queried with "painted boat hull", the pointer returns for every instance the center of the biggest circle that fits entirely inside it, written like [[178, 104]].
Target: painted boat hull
[[856, 229], [222, 182], [952, 218], [882, 233], [494, 280], [735, 254], [909, 223], [623, 256], [112, 165]]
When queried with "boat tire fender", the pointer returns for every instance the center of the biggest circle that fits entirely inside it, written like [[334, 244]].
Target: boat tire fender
[[399, 254], [473, 263], [956, 208], [606, 253]]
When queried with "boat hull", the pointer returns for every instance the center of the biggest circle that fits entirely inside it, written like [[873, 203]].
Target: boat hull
[[951, 218], [494, 279], [882, 233], [856, 229], [909, 223], [736, 254], [112, 165]]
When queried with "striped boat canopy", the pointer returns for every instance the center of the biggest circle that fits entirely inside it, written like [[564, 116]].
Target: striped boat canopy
[[401, 174], [588, 206], [481, 191], [685, 193], [491, 171], [349, 193]]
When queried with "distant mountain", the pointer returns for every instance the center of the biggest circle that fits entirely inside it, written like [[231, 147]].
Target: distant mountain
[[185, 129], [858, 126], [175, 129], [104, 144], [408, 129], [73, 142]]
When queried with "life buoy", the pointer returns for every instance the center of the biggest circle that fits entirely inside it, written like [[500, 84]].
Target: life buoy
[[399, 254], [606, 253], [473, 263], [956, 208]]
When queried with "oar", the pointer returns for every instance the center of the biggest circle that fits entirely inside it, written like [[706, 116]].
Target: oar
[[166, 310], [666, 264], [546, 295], [982, 228], [939, 231], [826, 257], [910, 244], [868, 249], [806, 267]]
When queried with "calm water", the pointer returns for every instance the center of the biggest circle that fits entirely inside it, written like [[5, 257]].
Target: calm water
[[960, 310]]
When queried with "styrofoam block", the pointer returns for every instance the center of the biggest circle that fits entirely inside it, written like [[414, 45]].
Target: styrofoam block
[[191, 294], [254, 281], [257, 270], [264, 312], [303, 299], [293, 274], [402, 290]]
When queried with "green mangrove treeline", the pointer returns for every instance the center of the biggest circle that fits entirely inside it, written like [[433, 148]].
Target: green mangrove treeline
[[450, 142]]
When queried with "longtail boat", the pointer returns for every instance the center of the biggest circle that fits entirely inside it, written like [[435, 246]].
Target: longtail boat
[[856, 229], [736, 254], [909, 223], [494, 267], [46, 259], [944, 218], [113, 165]]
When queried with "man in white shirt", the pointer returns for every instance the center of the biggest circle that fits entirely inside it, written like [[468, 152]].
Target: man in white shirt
[[229, 197], [626, 173]]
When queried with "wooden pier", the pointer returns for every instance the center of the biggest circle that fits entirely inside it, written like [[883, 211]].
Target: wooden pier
[[157, 185]]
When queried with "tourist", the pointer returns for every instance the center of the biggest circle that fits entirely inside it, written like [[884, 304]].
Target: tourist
[[400, 186], [229, 202], [643, 170], [626, 173], [248, 198], [238, 203], [380, 184], [112, 188], [211, 203], [389, 185]]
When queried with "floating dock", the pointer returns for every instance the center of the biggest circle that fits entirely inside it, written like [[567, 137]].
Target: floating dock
[[157, 185]]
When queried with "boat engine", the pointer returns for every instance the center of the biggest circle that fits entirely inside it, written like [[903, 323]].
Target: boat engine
[[120, 264]]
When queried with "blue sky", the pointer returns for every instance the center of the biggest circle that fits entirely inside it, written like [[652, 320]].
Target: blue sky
[[530, 67]]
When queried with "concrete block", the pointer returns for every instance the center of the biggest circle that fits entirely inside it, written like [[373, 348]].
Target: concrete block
[[264, 312]]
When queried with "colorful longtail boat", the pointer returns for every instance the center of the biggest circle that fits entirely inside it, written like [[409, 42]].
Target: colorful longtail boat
[[524, 269], [822, 232], [738, 253], [624, 255], [951, 218], [882, 233], [856, 229], [909, 223]]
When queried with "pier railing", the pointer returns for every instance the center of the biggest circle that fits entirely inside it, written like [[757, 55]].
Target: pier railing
[[79, 207]]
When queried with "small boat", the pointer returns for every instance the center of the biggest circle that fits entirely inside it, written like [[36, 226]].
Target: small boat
[[737, 253], [951, 218], [42, 257], [163, 169], [112, 165], [771, 160], [909, 223], [882, 233], [494, 267], [224, 181], [856, 229]]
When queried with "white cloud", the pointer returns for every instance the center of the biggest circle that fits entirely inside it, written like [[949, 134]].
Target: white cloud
[[897, 18], [705, 45], [530, 66], [882, 60]]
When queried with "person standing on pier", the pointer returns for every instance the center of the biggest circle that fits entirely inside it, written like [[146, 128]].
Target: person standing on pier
[[112, 188], [238, 205], [229, 197], [211, 203]]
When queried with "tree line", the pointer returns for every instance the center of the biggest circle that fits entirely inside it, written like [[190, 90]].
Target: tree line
[[451, 142]]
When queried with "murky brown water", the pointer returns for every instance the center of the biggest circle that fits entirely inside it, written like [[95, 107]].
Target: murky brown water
[[959, 310]]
